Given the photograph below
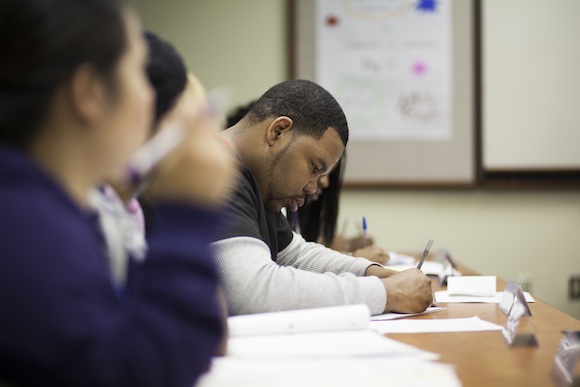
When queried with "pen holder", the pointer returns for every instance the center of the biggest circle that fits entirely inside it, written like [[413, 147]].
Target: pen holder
[[509, 296], [566, 368], [519, 330]]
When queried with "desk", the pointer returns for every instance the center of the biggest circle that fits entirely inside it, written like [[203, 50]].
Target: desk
[[483, 358]]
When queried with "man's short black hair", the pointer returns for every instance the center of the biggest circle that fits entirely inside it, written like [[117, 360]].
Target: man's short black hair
[[310, 106]]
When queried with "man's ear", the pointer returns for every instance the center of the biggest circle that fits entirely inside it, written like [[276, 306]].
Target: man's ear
[[88, 95], [278, 129]]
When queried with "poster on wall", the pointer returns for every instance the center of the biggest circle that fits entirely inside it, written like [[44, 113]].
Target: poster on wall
[[389, 65]]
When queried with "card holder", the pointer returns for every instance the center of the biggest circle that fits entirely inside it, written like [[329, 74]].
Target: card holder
[[519, 330], [566, 368]]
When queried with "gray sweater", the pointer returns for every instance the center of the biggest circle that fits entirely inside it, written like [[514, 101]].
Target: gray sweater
[[264, 267]]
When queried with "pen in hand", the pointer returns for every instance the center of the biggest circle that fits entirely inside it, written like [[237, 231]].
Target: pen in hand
[[425, 252]]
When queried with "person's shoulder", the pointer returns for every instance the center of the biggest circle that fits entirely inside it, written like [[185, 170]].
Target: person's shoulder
[[247, 178], [242, 214], [35, 209], [34, 204], [247, 191]]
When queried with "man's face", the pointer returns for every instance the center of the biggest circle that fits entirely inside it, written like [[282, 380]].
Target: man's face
[[296, 168], [323, 183]]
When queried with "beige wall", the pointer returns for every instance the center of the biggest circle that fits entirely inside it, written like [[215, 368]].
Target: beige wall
[[242, 43], [496, 233], [239, 43]]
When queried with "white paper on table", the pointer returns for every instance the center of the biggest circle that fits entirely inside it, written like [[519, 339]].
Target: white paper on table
[[322, 344], [367, 371], [443, 296], [400, 259], [428, 268], [396, 316], [333, 318], [472, 285], [471, 324]]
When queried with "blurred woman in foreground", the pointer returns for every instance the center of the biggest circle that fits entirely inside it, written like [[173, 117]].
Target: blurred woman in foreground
[[75, 104]]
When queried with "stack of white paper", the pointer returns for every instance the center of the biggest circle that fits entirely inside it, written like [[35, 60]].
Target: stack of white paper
[[320, 347], [320, 332], [322, 344], [336, 318], [335, 372]]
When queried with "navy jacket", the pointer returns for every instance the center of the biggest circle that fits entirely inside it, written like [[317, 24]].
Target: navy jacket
[[61, 321]]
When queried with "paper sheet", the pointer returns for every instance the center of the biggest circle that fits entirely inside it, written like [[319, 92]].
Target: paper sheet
[[400, 259], [472, 324], [368, 372], [335, 318], [396, 316], [444, 296], [429, 268], [322, 344]]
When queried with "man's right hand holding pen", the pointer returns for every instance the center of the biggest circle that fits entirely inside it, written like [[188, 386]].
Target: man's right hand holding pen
[[408, 291]]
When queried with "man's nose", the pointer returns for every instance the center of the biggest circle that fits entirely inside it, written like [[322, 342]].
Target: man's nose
[[324, 181], [311, 187]]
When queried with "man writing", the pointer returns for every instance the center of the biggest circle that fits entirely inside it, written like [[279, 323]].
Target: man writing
[[295, 133]]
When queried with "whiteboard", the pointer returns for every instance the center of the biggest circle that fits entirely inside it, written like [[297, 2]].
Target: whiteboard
[[531, 85], [442, 154]]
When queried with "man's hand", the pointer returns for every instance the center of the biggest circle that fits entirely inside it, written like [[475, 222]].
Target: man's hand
[[408, 292], [372, 253], [379, 271]]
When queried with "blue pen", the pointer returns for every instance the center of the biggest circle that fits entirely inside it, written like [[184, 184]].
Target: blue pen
[[364, 220]]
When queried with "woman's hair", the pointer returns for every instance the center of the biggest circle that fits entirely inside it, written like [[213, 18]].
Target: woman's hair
[[42, 44], [238, 113], [166, 72], [318, 218]]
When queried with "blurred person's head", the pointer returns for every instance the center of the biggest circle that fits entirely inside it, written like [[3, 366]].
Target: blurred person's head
[[72, 77], [167, 73]]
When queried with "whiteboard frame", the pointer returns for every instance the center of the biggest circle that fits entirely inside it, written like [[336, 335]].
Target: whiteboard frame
[[449, 163]]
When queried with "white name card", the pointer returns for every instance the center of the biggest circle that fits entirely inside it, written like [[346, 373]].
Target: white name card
[[472, 285]]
